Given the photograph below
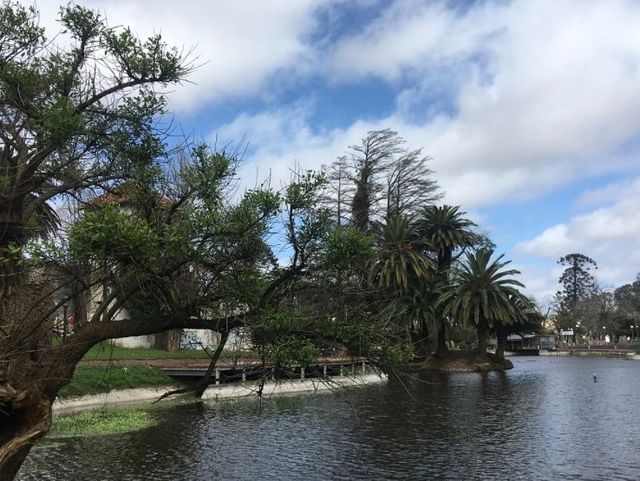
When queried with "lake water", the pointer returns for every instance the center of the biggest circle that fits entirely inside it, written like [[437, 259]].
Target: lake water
[[544, 420]]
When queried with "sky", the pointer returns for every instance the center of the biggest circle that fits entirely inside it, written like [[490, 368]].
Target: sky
[[530, 109]]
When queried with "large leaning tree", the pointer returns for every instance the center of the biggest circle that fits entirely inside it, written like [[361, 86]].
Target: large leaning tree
[[163, 237], [72, 120]]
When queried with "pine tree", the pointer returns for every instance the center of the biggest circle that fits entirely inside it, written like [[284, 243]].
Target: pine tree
[[576, 280]]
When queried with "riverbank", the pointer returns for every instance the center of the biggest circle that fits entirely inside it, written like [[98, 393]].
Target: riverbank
[[125, 397], [612, 353], [90, 380]]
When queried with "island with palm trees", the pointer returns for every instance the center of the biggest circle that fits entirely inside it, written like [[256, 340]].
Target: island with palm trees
[[445, 278], [435, 284]]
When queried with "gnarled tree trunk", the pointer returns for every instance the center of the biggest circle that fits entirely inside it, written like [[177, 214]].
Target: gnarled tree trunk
[[24, 419], [25, 396]]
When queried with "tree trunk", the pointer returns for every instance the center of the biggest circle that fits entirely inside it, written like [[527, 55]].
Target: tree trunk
[[442, 337], [168, 341], [22, 426], [444, 265], [10, 467], [206, 380], [12, 232], [28, 382], [200, 386], [483, 331], [422, 341], [502, 344]]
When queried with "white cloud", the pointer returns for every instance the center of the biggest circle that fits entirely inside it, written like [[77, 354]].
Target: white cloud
[[240, 45], [282, 139], [542, 93], [610, 235], [558, 95], [413, 36], [541, 281], [608, 193]]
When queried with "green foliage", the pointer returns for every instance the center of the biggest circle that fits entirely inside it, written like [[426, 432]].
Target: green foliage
[[207, 174], [144, 60], [109, 233], [20, 32], [395, 355], [627, 298], [287, 352], [101, 423], [302, 193], [286, 338], [82, 125], [418, 304], [306, 222], [400, 260], [576, 280], [444, 229], [483, 292], [348, 249], [363, 337], [59, 121]]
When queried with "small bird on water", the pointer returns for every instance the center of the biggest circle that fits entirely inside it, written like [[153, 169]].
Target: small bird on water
[[595, 378]]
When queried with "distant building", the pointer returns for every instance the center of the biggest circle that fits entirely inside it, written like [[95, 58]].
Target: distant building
[[517, 342]]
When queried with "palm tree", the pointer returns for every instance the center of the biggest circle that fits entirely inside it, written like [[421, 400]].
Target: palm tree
[[444, 230], [483, 294], [401, 268], [418, 306], [400, 260]]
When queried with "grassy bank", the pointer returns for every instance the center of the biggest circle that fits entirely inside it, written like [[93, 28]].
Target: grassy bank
[[110, 351], [94, 380]]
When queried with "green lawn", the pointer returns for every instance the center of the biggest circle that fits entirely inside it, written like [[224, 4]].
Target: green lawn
[[93, 380], [110, 351]]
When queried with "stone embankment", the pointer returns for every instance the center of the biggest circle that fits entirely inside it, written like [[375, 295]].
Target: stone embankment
[[215, 392]]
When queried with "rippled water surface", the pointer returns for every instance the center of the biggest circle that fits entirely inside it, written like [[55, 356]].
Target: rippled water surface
[[544, 420]]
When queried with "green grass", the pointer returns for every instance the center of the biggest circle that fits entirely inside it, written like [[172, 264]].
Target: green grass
[[99, 423], [94, 380], [110, 351]]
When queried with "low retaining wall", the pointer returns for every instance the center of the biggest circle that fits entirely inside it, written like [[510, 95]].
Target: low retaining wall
[[291, 387], [227, 391], [590, 353], [121, 397]]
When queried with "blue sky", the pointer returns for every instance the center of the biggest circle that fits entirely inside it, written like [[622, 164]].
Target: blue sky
[[529, 109]]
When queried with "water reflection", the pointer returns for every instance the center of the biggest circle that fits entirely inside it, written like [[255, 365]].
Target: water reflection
[[546, 419]]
